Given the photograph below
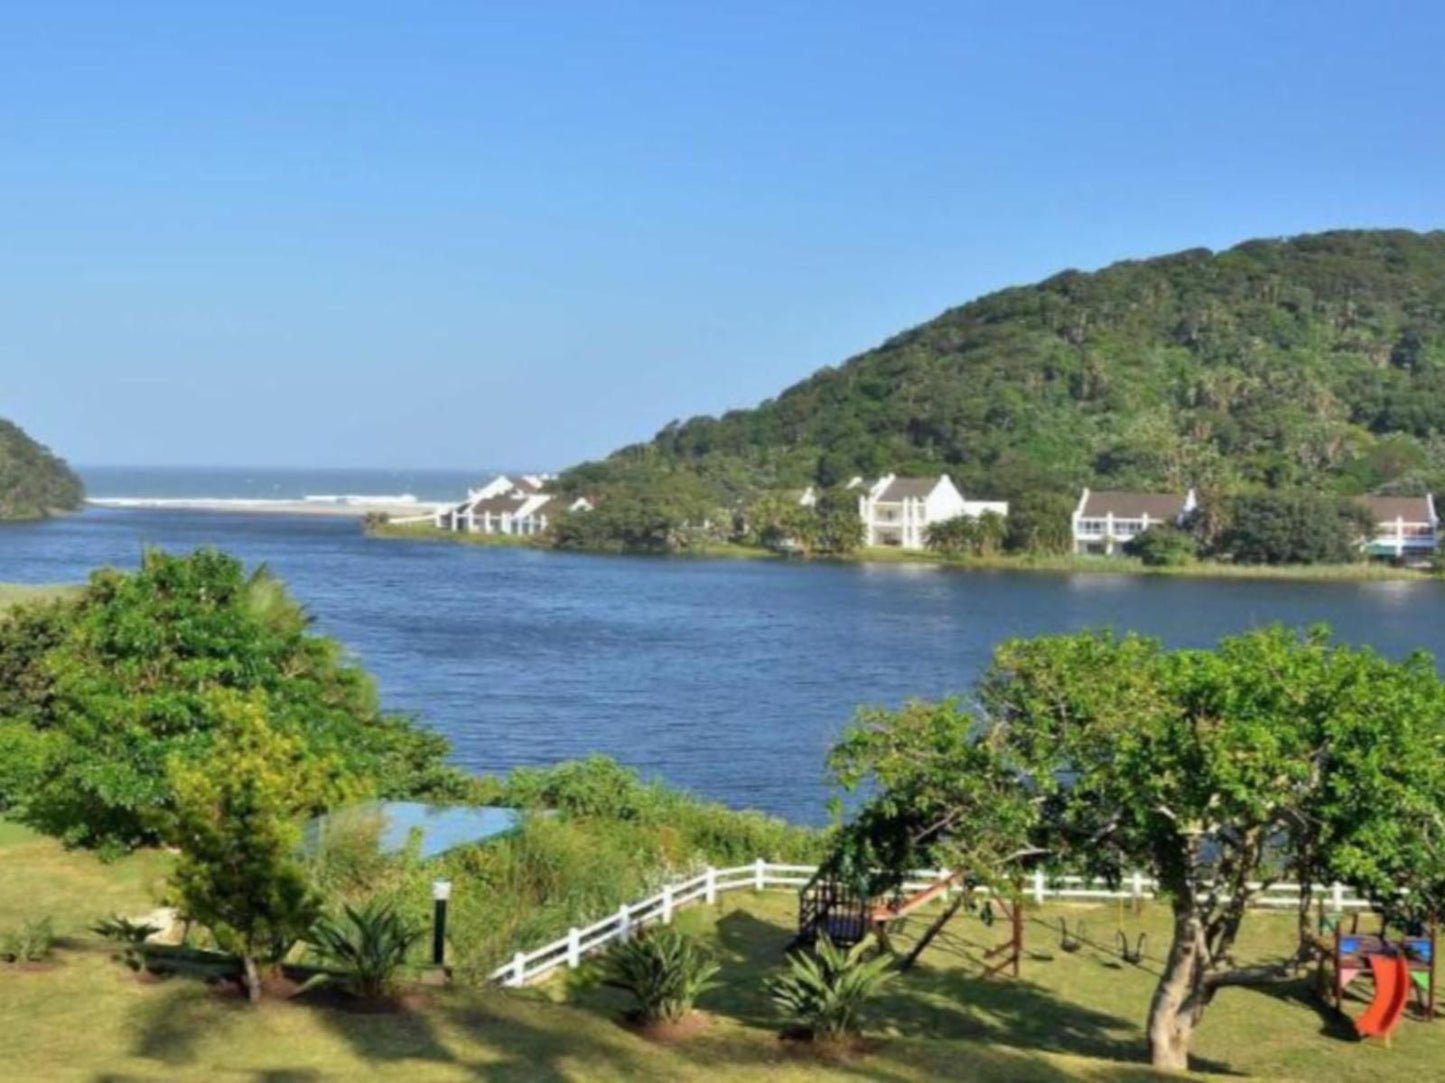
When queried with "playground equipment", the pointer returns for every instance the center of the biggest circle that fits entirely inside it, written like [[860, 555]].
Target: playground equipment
[[1070, 944], [829, 906], [1133, 956], [1397, 967]]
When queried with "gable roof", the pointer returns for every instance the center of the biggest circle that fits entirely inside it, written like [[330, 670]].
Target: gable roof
[[1132, 505], [1412, 509], [906, 488]]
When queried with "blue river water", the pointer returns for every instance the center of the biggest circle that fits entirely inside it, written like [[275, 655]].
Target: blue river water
[[728, 677]]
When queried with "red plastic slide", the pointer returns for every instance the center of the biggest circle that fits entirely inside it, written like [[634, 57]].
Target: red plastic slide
[[1392, 992]]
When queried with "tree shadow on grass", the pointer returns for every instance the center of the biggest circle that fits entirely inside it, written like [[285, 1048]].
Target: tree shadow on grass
[[168, 1028], [942, 997], [377, 1037]]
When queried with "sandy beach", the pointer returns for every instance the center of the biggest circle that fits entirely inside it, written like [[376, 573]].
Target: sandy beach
[[398, 507]]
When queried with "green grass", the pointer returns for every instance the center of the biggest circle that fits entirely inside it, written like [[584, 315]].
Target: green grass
[[1071, 1017], [14, 593]]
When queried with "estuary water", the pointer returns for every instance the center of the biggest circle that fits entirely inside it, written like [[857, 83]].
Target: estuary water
[[728, 677]]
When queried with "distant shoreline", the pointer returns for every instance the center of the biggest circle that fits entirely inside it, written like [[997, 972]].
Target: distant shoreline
[[1063, 564], [355, 507]]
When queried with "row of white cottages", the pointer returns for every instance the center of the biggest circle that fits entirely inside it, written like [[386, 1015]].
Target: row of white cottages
[[504, 506], [897, 511]]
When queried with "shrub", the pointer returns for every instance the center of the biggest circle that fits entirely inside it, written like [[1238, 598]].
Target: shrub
[[1294, 528], [28, 942], [1163, 547], [664, 969], [369, 943], [825, 991], [130, 935]]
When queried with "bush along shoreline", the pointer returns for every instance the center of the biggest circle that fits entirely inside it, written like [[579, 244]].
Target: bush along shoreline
[[1044, 562]]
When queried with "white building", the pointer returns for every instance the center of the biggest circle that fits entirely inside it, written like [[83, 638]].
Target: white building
[[503, 506], [1105, 521], [898, 511], [1406, 527]]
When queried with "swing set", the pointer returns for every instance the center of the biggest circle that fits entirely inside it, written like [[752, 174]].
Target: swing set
[[827, 906]]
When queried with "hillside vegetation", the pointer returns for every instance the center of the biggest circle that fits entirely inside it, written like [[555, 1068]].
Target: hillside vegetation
[[1312, 362], [33, 480]]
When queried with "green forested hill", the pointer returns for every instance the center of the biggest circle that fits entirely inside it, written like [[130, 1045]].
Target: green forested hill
[[1317, 361], [33, 480]]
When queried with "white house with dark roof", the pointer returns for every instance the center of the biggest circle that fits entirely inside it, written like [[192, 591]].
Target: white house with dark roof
[[504, 506], [1406, 527], [1104, 521], [898, 511]]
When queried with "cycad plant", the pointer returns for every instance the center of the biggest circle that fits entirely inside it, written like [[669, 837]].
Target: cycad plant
[[369, 945], [665, 971], [824, 991]]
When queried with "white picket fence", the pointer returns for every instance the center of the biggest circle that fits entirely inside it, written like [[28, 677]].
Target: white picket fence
[[761, 875]]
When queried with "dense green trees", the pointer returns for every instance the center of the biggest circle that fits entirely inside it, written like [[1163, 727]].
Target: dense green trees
[[1311, 363], [33, 480], [1163, 546], [1294, 528], [968, 535], [1271, 757], [99, 694]]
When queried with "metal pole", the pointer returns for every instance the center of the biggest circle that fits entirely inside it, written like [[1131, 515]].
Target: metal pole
[[441, 892]]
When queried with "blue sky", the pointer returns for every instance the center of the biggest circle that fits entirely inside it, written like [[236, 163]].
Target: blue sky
[[462, 234]]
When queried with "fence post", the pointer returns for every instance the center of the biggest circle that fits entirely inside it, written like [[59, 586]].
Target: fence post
[[624, 922], [519, 970], [709, 891], [1337, 896], [667, 904], [574, 948], [759, 872], [1039, 886], [1137, 890]]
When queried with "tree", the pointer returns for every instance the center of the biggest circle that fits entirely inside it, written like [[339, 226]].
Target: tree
[[235, 820], [1163, 546], [1040, 523], [100, 693], [968, 535], [1294, 528], [1217, 772]]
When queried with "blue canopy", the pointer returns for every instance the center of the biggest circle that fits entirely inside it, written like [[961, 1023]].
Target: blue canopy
[[442, 827]]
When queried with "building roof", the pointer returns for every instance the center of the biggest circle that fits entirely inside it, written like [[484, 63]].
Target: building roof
[[1412, 509], [496, 505], [1133, 505], [904, 488]]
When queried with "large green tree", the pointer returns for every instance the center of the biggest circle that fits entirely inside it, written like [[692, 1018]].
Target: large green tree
[[101, 692], [1215, 771]]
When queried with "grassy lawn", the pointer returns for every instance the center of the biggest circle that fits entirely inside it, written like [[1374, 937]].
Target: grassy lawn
[[11, 593], [1072, 1017]]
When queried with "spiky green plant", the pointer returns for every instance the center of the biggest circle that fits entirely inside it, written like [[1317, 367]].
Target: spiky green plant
[[130, 935], [369, 945], [664, 969], [824, 991], [28, 942]]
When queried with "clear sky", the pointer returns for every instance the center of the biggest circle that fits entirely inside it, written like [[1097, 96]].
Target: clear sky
[[460, 234]]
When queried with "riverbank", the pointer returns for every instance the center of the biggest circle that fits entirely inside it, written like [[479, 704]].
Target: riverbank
[[15, 593], [1061, 564]]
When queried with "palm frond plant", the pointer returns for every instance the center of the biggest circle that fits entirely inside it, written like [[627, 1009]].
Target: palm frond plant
[[368, 944], [665, 971], [824, 991], [130, 935]]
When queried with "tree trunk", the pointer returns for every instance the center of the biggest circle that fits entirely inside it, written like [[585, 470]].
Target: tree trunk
[[251, 978], [1178, 1002]]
